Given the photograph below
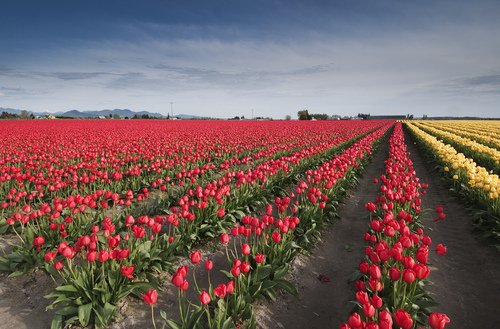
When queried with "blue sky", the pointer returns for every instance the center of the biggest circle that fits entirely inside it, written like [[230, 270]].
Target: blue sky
[[225, 58]]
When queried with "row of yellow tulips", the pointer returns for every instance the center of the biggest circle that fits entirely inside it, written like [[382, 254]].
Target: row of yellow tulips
[[484, 132]]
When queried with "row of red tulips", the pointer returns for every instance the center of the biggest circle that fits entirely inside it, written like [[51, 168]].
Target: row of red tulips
[[264, 246], [390, 290]]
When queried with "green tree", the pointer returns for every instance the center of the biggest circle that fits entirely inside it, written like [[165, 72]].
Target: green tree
[[304, 115], [322, 116]]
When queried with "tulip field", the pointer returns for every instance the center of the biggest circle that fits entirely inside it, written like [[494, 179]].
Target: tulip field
[[117, 212]]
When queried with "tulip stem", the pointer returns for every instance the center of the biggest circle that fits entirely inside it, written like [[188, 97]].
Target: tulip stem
[[153, 316], [208, 316]]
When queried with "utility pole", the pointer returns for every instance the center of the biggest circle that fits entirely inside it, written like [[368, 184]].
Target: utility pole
[[252, 115], [172, 109]]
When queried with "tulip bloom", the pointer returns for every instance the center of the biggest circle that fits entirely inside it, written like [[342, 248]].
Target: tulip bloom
[[224, 238], [245, 249], [209, 265], [259, 258], [195, 257], [126, 271], [49, 256], [409, 276], [204, 297], [58, 265], [276, 236], [355, 320], [220, 291], [394, 273], [403, 319], [150, 297], [385, 320], [441, 249], [438, 320], [368, 310]]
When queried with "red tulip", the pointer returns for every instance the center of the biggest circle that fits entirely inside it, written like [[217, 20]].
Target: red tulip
[[403, 319], [235, 271], [177, 280], [38, 241], [409, 276], [224, 238], [195, 257], [364, 267], [103, 256], [259, 258], [58, 265], [441, 249], [150, 297], [376, 301], [421, 270], [371, 207], [91, 256], [209, 265], [245, 249], [375, 271], [355, 320], [204, 297], [368, 310], [438, 320], [220, 291], [49, 256], [385, 320], [126, 271], [362, 297], [230, 287], [245, 267], [276, 236], [394, 273]]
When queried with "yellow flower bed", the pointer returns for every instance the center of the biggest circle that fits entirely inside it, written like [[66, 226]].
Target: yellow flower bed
[[480, 131], [484, 150], [461, 167]]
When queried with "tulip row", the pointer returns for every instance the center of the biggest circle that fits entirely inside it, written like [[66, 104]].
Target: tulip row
[[390, 290], [117, 255], [480, 131], [483, 155], [264, 246], [476, 186]]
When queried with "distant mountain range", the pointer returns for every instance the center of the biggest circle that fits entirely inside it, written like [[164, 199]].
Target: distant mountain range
[[95, 114]]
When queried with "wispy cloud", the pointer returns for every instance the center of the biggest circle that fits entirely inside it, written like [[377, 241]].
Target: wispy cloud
[[486, 84]]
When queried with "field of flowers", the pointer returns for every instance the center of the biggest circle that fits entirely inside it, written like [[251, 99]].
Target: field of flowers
[[465, 153], [106, 207], [119, 210]]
